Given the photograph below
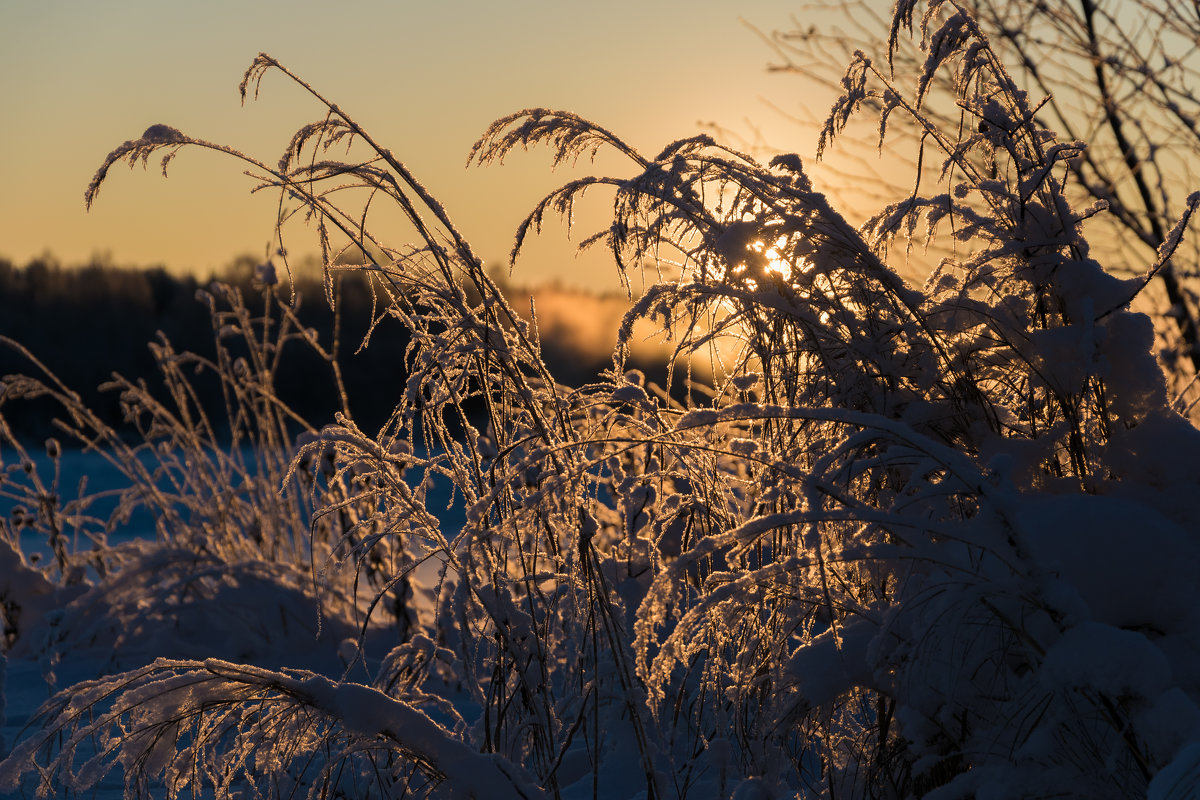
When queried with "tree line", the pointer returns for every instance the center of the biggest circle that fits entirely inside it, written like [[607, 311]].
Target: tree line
[[87, 322]]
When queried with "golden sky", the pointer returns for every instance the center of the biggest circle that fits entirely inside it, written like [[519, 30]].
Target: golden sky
[[79, 77]]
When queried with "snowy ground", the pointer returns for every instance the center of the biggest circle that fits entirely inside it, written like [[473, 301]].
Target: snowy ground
[[248, 630]]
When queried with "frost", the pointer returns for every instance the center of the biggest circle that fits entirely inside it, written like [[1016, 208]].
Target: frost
[[629, 393]]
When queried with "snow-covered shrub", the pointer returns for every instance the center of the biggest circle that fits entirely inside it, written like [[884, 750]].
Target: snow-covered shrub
[[911, 543], [1119, 74]]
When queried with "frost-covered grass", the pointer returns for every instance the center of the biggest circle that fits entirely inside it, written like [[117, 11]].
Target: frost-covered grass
[[1120, 74], [911, 542]]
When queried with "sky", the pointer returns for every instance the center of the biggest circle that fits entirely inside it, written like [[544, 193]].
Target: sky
[[78, 78]]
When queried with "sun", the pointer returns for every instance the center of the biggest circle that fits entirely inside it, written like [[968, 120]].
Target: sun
[[775, 260], [771, 262]]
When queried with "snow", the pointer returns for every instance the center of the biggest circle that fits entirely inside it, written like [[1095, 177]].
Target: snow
[[162, 134], [1095, 656], [1128, 562], [1179, 779], [936, 544]]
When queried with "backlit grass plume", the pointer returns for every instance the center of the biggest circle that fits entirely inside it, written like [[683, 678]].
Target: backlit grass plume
[[910, 542]]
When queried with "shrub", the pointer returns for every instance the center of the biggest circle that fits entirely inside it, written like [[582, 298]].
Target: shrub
[[910, 542]]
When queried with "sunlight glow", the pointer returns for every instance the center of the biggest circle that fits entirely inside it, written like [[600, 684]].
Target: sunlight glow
[[768, 263], [775, 261]]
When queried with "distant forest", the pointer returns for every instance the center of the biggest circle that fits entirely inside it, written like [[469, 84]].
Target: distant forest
[[85, 323]]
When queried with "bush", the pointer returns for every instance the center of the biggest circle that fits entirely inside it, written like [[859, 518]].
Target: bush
[[909, 543]]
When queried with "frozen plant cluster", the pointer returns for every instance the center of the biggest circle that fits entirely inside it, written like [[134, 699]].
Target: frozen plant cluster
[[935, 542], [1120, 75]]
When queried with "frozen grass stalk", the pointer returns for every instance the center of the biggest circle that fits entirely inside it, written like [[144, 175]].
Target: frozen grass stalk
[[933, 542]]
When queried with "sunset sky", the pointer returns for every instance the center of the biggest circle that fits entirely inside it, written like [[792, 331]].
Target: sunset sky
[[426, 78]]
